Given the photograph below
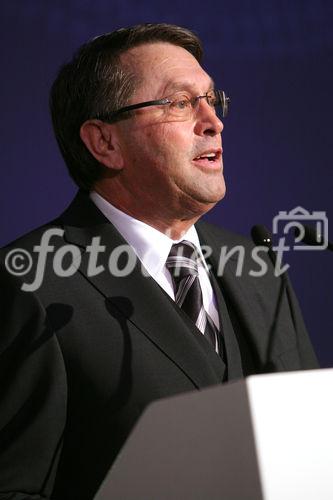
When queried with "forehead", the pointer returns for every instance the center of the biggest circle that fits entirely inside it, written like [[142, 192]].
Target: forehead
[[162, 66]]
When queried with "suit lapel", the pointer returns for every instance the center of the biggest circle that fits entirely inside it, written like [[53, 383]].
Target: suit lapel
[[221, 286], [247, 297], [137, 297], [234, 370]]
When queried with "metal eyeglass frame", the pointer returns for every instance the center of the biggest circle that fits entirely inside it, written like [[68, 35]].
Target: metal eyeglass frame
[[221, 100]]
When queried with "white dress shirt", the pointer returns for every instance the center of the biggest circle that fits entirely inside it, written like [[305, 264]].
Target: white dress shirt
[[153, 247]]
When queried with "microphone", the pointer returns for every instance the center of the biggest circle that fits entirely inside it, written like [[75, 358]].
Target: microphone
[[311, 237], [262, 237]]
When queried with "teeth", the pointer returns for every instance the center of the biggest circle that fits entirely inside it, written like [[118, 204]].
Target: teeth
[[208, 155]]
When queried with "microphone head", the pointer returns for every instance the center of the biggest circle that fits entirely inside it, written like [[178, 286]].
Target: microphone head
[[261, 236]]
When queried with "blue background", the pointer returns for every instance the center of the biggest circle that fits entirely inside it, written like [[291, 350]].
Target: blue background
[[274, 58]]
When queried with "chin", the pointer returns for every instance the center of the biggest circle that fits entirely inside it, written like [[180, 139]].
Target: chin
[[201, 197], [214, 196], [204, 202]]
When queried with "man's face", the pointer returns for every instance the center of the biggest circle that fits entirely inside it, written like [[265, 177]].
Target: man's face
[[160, 155]]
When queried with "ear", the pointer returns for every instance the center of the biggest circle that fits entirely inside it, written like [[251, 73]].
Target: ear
[[101, 140]]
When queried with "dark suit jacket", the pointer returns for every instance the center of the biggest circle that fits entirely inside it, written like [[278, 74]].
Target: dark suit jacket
[[83, 356]]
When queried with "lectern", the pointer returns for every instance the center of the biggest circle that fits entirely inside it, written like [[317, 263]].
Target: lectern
[[268, 437]]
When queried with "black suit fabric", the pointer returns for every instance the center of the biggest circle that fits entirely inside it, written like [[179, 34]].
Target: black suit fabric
[[83, 356]]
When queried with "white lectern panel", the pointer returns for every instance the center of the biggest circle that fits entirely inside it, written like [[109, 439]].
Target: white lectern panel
[[292, 415], [268, 437]]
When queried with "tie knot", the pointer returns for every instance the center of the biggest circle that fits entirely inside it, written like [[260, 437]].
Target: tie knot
[[182, 260]]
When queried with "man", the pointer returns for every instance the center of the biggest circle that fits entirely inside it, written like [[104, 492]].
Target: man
[[136, 119]]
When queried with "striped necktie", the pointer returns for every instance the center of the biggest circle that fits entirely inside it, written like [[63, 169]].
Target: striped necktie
[[183, 267]]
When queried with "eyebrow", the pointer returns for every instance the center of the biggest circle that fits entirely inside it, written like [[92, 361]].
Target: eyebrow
[[175, 86]]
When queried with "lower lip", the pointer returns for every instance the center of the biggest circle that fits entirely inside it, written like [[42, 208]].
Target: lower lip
[[208, 164]]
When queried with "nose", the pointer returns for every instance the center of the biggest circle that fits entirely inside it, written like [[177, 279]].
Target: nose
[[207, 122]]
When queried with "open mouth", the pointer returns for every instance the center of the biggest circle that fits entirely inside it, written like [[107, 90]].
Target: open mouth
[[209, 158]]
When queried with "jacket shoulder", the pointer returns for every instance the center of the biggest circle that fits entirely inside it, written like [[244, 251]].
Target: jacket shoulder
[[32, 237]]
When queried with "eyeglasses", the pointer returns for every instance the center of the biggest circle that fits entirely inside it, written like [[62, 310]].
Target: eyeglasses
[[179, 106]]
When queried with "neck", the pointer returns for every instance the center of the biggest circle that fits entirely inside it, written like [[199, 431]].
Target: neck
[[165, 221]]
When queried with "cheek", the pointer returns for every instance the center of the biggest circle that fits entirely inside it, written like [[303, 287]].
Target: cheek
[[161, 142], [174, 142]]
